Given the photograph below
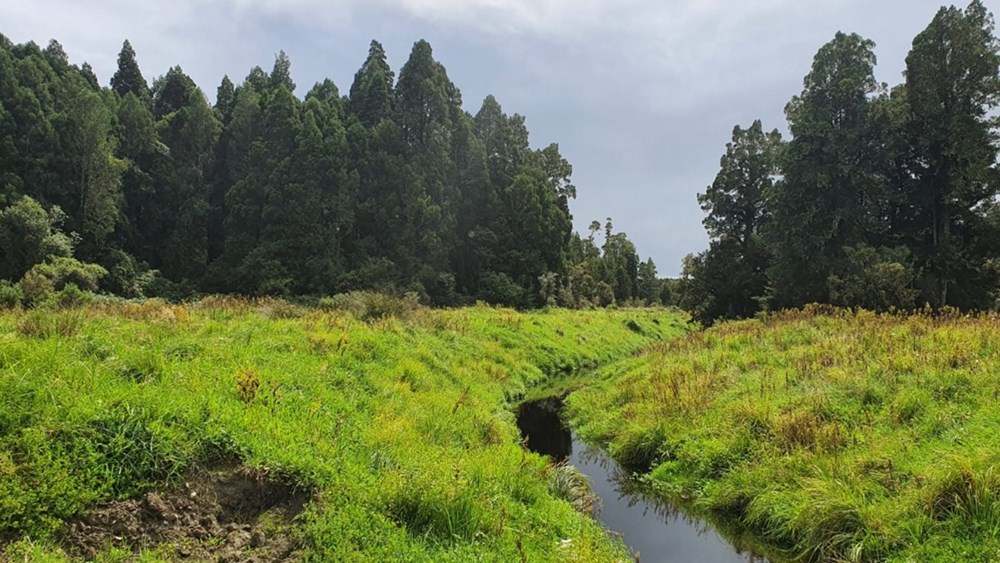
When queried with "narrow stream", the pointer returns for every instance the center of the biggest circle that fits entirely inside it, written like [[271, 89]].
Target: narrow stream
[[652, 528]]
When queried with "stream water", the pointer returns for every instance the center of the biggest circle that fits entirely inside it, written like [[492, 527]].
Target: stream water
[[653, 529]]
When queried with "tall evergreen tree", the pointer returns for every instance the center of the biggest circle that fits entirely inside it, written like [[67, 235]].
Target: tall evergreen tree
[[128, 78], [729, 279], [171, 92], [246, 159], [190, 134], [92, 189], [87, 72], [952, 86], [475, 203], [225, 98], [371, 95], [281, 74], [145, 158], [822, 204], [428, 108]]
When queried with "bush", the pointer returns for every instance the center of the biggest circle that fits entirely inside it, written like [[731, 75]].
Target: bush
[[172, 291], [129, 277], [71, 297], [10, 295], [874, 279], [369, 306], [35, 287], [501, 289], [56, 274]]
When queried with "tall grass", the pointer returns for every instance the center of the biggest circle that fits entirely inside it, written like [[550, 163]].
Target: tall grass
[[830, 435], [397, 416]]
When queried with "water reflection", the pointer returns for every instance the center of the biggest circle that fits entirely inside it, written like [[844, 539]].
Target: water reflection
[[654, 529], [543, 430]]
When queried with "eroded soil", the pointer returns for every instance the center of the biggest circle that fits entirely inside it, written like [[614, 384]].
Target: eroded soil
[[221, 512]]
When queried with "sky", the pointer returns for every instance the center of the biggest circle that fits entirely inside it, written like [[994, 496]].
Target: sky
[[640, 95]]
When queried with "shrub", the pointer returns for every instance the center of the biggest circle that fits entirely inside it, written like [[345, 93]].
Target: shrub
[[501, 289], [56, 274], [10, 295], [72, 297], [369, 306], [129, 277], [874, 279], [35, 287]]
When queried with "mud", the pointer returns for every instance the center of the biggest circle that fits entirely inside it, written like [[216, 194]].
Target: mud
[[223, 512]]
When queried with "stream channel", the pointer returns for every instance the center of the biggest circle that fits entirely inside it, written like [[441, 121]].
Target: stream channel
[[653, 529]]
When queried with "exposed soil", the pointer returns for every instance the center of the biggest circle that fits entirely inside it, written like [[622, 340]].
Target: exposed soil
[[222, 512]]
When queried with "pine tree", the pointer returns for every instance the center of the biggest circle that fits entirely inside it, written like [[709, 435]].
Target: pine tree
[[171, 92], [281, 74], [821, 205], [371, 93], [428, 108], [225, 98], [128, 78], [736, 204], [952, 86], [190, 134]]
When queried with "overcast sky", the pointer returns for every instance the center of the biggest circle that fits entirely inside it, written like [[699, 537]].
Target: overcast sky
[[641, 95]]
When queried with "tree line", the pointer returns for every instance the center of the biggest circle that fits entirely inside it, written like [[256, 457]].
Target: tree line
[[883, 198], [142, 189]]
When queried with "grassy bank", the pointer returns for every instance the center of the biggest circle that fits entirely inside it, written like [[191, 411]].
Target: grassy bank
[[832, 436], [398, 428]]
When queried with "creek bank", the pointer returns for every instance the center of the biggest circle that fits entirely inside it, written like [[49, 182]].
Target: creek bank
[[653, 529], [220, 512]]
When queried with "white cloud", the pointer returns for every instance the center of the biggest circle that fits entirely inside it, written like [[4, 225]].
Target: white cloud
[[683, 50]]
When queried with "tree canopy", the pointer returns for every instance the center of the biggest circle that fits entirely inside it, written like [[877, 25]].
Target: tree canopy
[[882, 198], [394, 187]]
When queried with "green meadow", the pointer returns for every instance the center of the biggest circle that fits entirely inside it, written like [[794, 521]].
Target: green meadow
[[816, 435], [397, 424], [824, 435]]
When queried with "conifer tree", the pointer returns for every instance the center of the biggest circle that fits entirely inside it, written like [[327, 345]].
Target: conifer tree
[[128, 78], [952, 86], [371, 92]]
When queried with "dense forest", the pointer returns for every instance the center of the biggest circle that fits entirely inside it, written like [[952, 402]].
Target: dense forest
[[883, 197], [145, 190]]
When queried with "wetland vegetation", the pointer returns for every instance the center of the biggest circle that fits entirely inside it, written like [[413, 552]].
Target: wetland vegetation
[[399, 429]]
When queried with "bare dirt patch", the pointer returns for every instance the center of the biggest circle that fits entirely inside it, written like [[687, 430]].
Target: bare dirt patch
[[222, 512]]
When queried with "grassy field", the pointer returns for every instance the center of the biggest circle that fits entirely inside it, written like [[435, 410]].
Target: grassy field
[[399, 429], [827, 435]]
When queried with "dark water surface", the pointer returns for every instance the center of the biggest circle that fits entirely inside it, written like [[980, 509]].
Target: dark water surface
[[652, 528]]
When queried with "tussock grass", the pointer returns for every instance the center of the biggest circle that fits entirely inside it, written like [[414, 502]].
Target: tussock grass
[[829, 435], [398, 417]]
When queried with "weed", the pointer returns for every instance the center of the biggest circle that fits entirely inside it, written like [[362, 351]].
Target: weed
[[569, 483], [45, 324], [247, 384]]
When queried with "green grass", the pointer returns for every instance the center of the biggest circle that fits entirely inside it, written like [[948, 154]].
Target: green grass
[[826, 435], [402, 426]]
